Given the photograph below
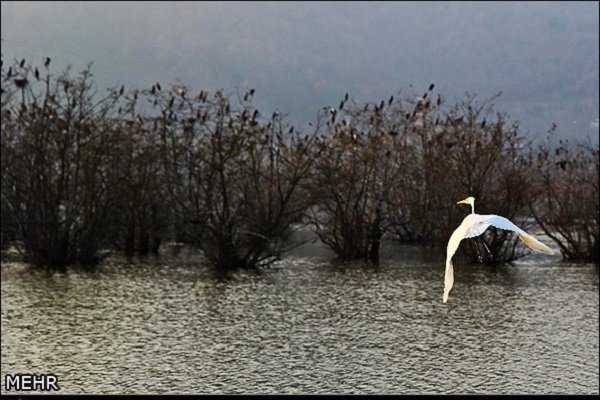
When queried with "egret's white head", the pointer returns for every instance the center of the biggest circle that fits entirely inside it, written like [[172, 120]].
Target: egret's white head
[[468, 200]]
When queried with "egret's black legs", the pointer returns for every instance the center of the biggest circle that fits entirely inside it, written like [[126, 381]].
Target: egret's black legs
[[479, 258], [488, 250]]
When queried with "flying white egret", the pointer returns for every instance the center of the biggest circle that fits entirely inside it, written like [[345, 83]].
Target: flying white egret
[[474, 225]]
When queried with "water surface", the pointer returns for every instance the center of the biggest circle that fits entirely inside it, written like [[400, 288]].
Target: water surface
[[307, 325]]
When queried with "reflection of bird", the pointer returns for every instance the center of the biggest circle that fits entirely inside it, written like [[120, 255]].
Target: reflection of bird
[[474, 225]]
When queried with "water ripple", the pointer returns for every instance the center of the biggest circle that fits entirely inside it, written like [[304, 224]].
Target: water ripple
[[308, 325]]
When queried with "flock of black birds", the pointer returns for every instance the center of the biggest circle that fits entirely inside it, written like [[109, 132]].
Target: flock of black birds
[[423, 103], [21, 81]]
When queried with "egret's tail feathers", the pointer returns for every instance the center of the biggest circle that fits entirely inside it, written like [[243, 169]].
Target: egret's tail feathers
[[533, 243], [448, 279]]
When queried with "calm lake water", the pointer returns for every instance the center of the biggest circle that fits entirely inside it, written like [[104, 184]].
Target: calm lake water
[[307, 325]]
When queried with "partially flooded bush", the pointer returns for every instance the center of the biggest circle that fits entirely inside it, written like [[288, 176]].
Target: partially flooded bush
[[139, 221], [567, 207], [476, 152], [231, 173], [82, 172], [57, 180], [355, 179], [399, 167]]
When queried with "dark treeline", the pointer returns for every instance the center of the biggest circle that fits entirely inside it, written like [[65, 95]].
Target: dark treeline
[[127, 169]]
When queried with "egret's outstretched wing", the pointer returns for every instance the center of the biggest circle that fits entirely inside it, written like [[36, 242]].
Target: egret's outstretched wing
[[476, 230], [474, 225], [534, 244], [455, 238], [448, 279], [503, 223]]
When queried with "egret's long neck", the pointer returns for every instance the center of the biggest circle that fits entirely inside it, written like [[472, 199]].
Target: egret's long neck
[[472, 207]]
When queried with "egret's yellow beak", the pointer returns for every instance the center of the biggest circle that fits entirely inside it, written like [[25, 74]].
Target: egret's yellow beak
[[465, 201]]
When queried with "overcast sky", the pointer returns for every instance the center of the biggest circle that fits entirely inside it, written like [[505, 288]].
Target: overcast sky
[[302, 56]]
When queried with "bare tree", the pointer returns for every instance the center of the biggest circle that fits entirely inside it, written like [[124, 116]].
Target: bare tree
[[399, 166], [355, 180], [567, 207], [140, 218], [232, 173], [478, 152], [57, 142]]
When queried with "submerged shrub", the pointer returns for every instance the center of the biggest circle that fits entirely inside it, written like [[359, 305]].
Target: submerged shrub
[[354, 185], [567, 207], [58, 146], [232, 174], [128, 170], [399, 168]]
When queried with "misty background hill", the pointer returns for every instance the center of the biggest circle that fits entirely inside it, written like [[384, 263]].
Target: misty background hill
[[543, 56]]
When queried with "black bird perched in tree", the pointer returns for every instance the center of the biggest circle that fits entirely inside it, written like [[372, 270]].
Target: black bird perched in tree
[[346, 97], [20, 82], [390, 100], [158, 86], [37, 74], [46, 61], [333, 111], [562, 164], [22, 64], [431, 86], [121, 90]]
